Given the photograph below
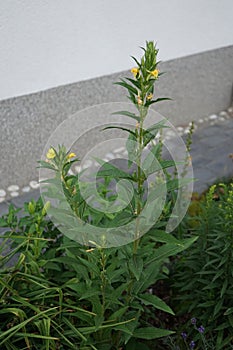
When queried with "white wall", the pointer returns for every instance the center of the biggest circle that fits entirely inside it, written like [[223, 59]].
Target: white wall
[[46, 43]]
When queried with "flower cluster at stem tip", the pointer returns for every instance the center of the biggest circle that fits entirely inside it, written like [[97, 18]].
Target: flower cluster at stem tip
[[145, 75], [51, 154]]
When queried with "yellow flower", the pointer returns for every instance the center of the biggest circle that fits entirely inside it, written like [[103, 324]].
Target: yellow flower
[[51, 154], [135, 71], [71, 155], [149, 96], [155, 73]]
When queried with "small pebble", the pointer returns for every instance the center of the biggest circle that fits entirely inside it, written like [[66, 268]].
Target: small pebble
[[201, 121], [222, 119], [119, 155], [26, 189], [110, 156], [2, 193], [223, 114], [13, 188], [213, 117], [34, 184], [119, 150], [2, 199], [230, 109], [14, 194], [170, 133], [180, 128]]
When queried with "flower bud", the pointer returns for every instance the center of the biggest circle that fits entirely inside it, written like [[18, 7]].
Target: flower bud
[[46, 208], [31, 207]]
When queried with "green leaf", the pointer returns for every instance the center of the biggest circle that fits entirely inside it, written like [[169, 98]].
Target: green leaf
[[224, 287], [127, 86], [120, 128], [151, 333], [162, 236], [149, 299], [74, 329], [127, 114], [134, 344], [91, 266], [158, 100], [218, 307], [118, 314], [11, 332], [109, 169], [3, 223], [137, 62], [134, 82], [169, 249], [90, 293], [136, 267], [229, 311], [149, 277], [150, 133]]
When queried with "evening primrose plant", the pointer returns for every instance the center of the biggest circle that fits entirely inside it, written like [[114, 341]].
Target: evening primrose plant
[[91, 294]]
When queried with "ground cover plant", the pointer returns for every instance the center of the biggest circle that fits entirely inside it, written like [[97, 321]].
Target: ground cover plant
[[58, 294]]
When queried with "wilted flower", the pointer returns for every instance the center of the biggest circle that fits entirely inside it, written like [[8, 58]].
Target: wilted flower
[[139, 100]]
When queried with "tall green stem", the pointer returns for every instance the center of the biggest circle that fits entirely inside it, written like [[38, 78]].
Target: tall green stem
[[143, 113]]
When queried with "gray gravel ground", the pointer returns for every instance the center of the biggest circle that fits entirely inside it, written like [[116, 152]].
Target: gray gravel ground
[[211, 151]]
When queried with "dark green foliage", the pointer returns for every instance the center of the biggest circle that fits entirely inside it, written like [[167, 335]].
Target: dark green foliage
[[203, 275], [60, 295]]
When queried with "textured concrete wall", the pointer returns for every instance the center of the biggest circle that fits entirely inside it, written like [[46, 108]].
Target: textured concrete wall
[[47, 43], [200, 85]]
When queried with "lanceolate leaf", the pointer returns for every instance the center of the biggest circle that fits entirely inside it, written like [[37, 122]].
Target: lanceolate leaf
[[134, 82], [158, 100], [109, 169], [128, 114], [120, 128], [151, 333], [167, 250], [149, 299], [127, 86], [139, 65]]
